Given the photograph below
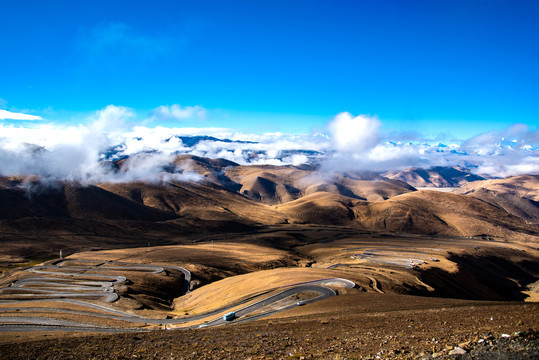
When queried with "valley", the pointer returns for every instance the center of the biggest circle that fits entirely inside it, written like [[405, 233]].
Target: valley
[[278, 246]]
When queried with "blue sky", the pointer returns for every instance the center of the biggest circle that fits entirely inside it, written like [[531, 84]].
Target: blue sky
[[431, 69]]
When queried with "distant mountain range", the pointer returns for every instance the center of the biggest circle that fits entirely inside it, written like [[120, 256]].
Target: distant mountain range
[[437, 176], [266, 194], [191, 141]]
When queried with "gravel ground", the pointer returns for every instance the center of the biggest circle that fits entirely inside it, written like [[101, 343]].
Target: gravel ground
[[352, 326]]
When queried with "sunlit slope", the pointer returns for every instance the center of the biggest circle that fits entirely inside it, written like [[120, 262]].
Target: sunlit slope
[[524, 186], [433, 212], [231, 290], [282, 184], [370, 190], [518, 195], [437, 176], [421, 212], [320, 208]]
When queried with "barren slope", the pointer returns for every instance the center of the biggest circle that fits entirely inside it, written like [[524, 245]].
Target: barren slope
[[433, 212], [524, 186], [419, 212], [73, 200], [196, 200], [281, 184], [438, 176], [518, 195], [320, 208]]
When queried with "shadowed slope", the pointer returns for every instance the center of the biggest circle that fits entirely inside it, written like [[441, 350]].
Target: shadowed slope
[[92, 202], [197, 201], [72, 200]]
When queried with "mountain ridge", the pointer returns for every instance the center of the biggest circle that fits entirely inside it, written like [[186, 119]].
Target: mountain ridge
[[267, 195]]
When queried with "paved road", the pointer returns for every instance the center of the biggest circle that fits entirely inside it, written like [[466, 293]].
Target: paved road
[[77, 283], [241, 314]]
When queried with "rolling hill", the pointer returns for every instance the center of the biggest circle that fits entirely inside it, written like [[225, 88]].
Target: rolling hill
[[437, 176], [233, 197], [518, 195]]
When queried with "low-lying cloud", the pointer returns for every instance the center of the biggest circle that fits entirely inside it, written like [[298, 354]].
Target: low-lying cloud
[[358, 134], [89, 152], [356, 143]]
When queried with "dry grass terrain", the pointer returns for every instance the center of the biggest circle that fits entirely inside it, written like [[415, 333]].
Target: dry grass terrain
[[432, 269]]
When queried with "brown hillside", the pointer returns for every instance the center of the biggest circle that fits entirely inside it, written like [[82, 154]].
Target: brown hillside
[[268, 184], [92, 202], [75, 201], [320, 208], [512, 203], [438, 176], [281, 184], [420, 212], [524, 186], [212, 170], [433, 212], [196, 200], [518, 195]]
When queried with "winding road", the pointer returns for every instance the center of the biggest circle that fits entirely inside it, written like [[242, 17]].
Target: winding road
[[70, 284]]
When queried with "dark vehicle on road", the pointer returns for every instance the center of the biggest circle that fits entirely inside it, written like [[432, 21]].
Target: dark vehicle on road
[[229, 316]]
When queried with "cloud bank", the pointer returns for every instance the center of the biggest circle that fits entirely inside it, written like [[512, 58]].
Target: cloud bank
[[357, 146], [89, 152]]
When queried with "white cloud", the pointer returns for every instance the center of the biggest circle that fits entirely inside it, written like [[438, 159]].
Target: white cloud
[[178, 112], [71, 152], [357, 146], [4, 114], [514, 137], [112, 119], [77, 152], [354, 134]]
